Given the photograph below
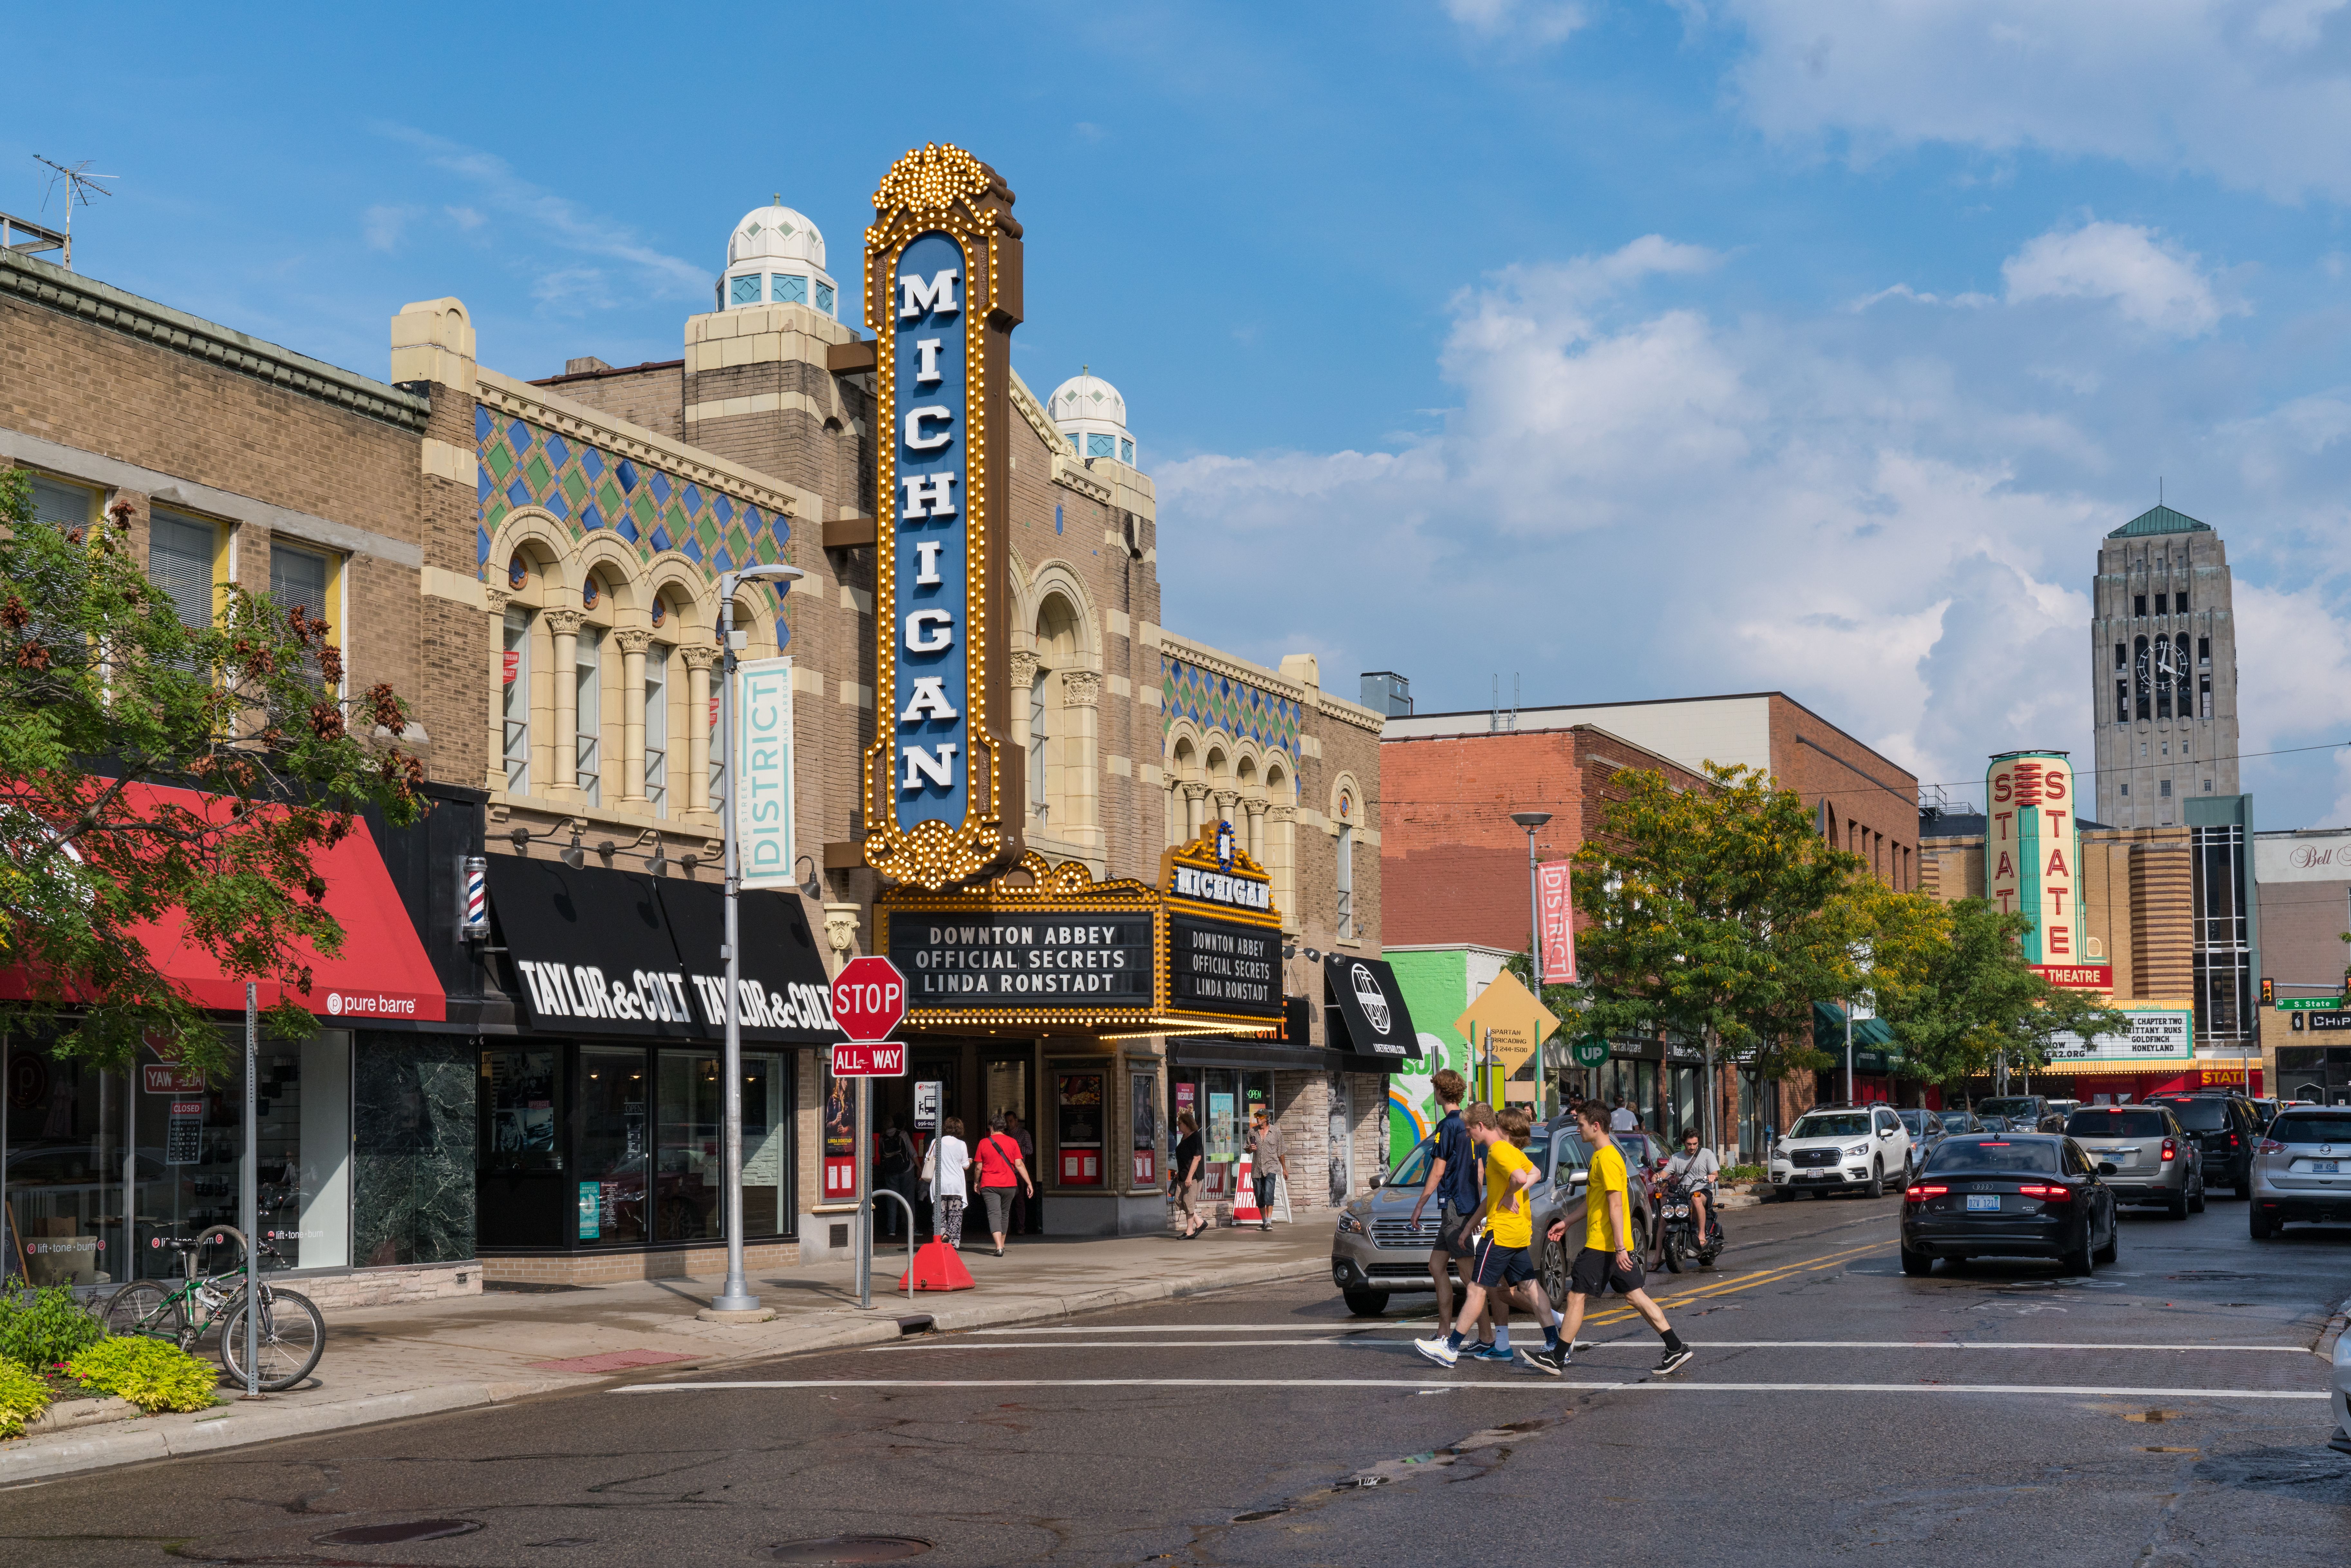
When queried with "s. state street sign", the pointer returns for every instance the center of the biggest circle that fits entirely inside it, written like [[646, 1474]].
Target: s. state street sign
[[869, 1059]]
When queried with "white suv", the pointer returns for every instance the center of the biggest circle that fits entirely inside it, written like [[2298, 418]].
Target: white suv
[[1842, 1148]]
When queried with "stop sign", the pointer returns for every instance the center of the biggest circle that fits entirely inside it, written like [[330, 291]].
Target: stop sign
[[868, 998]]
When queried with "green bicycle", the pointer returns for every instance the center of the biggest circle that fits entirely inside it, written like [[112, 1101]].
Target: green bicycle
[[290, 1337]]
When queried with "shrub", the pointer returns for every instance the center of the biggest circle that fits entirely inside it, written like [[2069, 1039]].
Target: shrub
[[41, 1328], [22, 1396], [148, 1372]]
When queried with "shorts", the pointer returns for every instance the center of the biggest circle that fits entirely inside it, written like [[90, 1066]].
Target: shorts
[[1595, 1272], [1453, 1229], [1501, 1266]]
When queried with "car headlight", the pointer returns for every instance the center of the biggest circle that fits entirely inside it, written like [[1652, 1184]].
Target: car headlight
[[1349, 1225], [1856, 1152]]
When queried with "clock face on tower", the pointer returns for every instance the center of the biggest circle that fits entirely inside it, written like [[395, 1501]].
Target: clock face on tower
[[2163, 666]]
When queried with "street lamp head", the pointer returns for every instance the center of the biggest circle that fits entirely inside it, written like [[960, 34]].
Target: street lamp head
[[1530, 820], [777, 572]]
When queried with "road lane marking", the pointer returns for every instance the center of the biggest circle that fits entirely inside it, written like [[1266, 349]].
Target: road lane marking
[[1177, 1328], [1367, 1339], [1524, 1386], [1603, 1317]]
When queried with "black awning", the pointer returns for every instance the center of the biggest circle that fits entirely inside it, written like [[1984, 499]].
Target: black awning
[[1367, 1015], [1231, 1051], [787, 997], [598, 952]]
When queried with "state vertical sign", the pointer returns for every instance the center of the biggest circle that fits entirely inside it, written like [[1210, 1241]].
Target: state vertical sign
[[942, 292], [2033, 850]]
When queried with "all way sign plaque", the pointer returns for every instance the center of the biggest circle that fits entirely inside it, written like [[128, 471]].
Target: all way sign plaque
[[869, 1059]]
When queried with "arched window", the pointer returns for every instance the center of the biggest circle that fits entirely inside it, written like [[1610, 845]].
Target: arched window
[[2143, 662], [514, 701], [1057, 736], [2180, 672]]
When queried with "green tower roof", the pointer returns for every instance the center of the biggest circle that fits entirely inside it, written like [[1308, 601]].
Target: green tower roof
[[2160, 520]]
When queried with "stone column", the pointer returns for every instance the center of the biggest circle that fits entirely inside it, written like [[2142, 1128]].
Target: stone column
[[496, 600], [840, 924], [1226, 800], [1194, 794], [633, 642], [1256, 830], [698, 661], [1080, 698], [1284, 846], [563, 776], [1023, 686]]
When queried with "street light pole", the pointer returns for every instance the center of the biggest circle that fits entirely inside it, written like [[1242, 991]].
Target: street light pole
[[1530, 820], [737, 1296]]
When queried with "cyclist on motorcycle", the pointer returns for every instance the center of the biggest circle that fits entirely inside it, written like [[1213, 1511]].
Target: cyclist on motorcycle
[[1697, 1167]]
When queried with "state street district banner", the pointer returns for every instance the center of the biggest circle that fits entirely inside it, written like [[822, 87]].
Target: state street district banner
[[762, 777]]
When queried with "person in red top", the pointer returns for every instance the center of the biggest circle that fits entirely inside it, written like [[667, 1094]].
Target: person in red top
[[1001, 1166]]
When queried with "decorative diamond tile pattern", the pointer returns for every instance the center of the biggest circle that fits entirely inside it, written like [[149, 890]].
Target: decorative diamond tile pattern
[[1215, 702], [591, 489]]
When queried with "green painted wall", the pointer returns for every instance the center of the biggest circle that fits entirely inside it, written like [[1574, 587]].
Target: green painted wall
[[1435, 987]]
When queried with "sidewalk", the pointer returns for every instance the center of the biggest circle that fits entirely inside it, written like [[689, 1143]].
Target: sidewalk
[[383, 1364]]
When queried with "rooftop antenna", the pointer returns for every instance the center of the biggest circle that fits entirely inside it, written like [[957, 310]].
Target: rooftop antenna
[[80, 185]]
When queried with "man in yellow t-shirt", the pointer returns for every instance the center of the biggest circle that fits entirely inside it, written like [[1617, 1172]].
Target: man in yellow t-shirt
[[1502, 1261], [1608, 1261]]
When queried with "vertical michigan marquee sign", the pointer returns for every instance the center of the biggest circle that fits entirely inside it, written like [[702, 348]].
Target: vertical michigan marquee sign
[[942, 292], [2032, 851]]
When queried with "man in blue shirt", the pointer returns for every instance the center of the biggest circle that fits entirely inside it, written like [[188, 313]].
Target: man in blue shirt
[[1453, 1182]]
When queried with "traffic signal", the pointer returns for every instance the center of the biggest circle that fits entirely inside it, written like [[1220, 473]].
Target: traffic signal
[[2268, 992]]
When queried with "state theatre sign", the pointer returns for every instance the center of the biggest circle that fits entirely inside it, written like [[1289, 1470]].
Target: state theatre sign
[[942, 292], [1047, 947], [2031, 854]]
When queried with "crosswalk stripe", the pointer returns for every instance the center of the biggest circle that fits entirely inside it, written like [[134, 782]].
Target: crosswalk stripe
[[1527, 1385]]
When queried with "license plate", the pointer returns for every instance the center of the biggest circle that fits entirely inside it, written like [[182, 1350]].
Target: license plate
[[1984, 1200], [2325, 1167]]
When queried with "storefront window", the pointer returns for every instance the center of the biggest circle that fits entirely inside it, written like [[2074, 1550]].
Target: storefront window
[[63, 1164], [518, 1099], [412, 1145], [766, 1144], [1145, 1108], [613, 1140], [688, 1162], [1081, 1107]]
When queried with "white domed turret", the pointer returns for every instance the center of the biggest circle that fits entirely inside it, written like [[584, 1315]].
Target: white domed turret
[[1094, 416], [776, 256]]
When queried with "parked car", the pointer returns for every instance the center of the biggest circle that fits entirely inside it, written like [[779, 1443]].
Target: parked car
[[1842, 1148], [2301, 1170], [2266, 1109], [2224, 1128], [2021, 1112], [1927, 1130], [2029, 1195], [2063, 1107], [2154, 1158], [1377, 1251]]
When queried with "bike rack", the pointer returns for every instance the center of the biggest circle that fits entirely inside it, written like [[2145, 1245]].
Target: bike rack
[[900, 1199]]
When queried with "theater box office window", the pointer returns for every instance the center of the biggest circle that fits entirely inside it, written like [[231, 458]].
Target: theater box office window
[[600, 1123]]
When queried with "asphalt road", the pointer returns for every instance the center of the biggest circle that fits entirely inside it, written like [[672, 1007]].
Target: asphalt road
[[2165, 1411]]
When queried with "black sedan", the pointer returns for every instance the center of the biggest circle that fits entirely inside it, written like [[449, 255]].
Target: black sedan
[[2025, 1194]]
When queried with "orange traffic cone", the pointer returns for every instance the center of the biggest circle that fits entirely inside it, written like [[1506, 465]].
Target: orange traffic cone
[[1245, 1210], [938, 1266]]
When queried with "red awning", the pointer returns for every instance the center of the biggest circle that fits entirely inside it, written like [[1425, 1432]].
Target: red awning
[[381, 972]]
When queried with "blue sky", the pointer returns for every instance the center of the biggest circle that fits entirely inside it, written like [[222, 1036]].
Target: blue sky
[[1641, 349]]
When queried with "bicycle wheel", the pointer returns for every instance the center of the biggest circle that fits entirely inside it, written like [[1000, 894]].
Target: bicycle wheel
[[291, 1339], [144, 1307]]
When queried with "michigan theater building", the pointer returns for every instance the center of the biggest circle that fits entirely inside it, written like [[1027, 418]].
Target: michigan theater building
[[1126, 874]]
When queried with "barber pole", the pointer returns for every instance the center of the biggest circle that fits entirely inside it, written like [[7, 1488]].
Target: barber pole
[[474, 916]]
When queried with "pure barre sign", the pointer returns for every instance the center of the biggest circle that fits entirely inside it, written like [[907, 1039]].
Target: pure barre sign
[[942, 294]]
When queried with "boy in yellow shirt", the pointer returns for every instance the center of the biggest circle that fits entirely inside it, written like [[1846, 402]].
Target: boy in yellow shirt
[[1504, 1260], [1607, 1260]]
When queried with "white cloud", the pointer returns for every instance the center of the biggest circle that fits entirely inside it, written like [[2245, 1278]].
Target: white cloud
[[2255, 93], [381, 226], [1535, 21], [1631, 503], [2151, 283], [543, 220]]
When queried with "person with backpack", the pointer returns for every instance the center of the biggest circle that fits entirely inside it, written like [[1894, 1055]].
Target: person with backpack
[[1000, 1165]]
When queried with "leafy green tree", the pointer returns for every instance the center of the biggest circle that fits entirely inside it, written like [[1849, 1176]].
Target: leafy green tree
[[1975, 1001], [103, 688], [1719, 914]]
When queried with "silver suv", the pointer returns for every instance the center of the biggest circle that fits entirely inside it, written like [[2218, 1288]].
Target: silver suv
[[1377, 1251], [2154, 1159], [2301, 1169]]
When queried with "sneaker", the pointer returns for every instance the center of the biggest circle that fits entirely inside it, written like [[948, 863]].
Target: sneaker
[[1549, 1363], [1675, 1360], [1437, 1351], [1488, 1353]]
